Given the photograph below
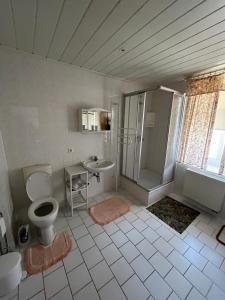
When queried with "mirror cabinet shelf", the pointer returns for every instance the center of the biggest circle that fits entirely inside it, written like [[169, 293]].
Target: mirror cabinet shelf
[[93, 120]]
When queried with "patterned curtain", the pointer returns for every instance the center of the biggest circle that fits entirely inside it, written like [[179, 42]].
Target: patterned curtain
[[222, 163], [206, 85], [197, 130]]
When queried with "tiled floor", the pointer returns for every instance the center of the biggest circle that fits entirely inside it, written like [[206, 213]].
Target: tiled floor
[[135, 257]]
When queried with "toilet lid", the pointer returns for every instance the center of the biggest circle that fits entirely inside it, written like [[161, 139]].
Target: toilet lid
[[38, 186], [8, 262]]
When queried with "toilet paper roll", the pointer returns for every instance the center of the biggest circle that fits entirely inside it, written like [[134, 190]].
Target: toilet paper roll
[[2, 227]]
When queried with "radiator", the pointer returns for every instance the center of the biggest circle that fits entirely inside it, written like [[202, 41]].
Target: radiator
[[205, 188]]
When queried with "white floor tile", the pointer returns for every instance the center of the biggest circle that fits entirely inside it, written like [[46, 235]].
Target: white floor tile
[[223, 266], [212, 256], [55, 282], [119, 238], [215, 294], [102, 240], [79, 231], [150, 235], [118, 220], [178, 283], [78, 278], [92, 257], [205, 227], [208, 240], [144, 215], [129, 251], [134, 289], [30, 286], [165, 233], [199, 280], [216, 275], [39, 296], [134, 236], [163, 247], [64, 294], [196, 259], [111, 291], [193, 242], [74, 221], [95, 230], [173, 296], [142, 267], [125, 226], [146, 248], [88, 221], [153, 223], [195, 295], [220, 249], [179, 244], [72, 260], [83, 213], [194, 231], [179, 261], [160, 263], [85, 242], [139, 225], [122, 270], [111, 228], [111, 253], [101, 274], [130, 216], [88, 292], [158, 288], [53, 268]]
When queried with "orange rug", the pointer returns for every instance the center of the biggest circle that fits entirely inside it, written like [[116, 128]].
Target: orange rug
[[39, 258], [109, 210]]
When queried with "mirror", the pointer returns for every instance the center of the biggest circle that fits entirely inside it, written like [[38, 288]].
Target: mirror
[[95, 120]]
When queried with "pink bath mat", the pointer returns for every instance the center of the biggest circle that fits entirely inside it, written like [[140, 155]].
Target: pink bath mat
[[109, 210], [39, 258]]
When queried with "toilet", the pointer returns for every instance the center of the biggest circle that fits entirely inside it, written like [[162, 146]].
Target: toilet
[[44, 208], [10, 272]]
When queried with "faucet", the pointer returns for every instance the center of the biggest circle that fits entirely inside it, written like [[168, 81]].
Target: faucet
[[94, 157]]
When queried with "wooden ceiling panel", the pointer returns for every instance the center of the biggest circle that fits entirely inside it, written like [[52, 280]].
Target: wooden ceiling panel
[[24, 14], [98, 11], [7, 30], [149, 40]]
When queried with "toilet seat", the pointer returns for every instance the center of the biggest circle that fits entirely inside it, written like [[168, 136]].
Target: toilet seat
[[37, 203]]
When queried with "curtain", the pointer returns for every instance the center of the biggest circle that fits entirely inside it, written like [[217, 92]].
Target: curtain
[[222, 163], [206, 85], [197, 130]]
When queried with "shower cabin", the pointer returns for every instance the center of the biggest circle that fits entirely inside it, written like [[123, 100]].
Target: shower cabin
[[150, 134]]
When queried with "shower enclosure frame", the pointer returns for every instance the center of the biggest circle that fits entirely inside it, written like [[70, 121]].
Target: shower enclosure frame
[[121, 131]]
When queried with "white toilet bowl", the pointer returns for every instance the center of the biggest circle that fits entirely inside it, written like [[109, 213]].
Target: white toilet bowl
[[44, 209], [10, 272]]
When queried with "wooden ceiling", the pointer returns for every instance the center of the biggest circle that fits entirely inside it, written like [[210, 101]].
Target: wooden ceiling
[[132, 39]]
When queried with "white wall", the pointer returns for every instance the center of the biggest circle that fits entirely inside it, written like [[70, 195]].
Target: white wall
[[6, 206], [38, 116]]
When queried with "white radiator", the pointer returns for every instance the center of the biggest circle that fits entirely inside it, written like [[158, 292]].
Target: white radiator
[[205, 188]]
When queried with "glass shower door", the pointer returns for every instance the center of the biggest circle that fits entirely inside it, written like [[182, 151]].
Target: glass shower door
[[132, 132]]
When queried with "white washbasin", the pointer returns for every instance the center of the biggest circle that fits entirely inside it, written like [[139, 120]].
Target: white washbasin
[[100, 165]]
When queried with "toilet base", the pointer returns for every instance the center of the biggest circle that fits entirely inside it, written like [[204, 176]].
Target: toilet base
[[47, 235]]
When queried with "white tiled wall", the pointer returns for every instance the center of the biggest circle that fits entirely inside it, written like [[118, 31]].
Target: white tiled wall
[[38, 116]]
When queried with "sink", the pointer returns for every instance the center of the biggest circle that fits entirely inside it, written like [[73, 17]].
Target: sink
[[100, 165]]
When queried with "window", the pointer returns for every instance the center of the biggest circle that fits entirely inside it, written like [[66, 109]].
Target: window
[[217, 144]]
